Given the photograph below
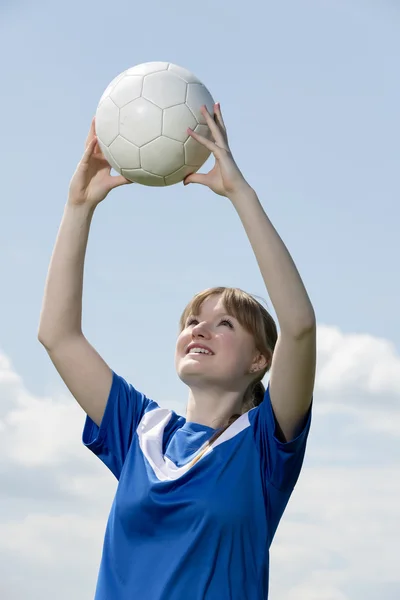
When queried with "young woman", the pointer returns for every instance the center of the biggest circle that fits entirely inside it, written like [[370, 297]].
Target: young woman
[[199, 498]]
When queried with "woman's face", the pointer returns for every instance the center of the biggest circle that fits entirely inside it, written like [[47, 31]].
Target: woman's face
[[214, 348]]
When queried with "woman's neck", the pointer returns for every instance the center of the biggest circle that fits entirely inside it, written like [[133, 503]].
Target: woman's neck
[[213, 407]]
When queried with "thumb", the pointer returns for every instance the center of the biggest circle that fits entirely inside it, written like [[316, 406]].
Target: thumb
[[196, 178], [118, 180]]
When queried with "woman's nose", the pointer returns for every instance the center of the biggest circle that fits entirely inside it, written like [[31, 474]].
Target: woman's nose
[[201, 329]]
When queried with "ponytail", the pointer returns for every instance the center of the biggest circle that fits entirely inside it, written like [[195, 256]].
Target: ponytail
[[258, 393], [254, 395]]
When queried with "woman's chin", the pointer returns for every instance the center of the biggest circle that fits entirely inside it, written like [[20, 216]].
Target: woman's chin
[[193, 372], [194, 362]]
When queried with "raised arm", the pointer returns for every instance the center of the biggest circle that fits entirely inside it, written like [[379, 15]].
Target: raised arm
[[83, 370], [294, 361]]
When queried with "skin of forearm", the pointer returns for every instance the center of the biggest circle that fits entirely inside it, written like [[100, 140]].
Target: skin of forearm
[[284, 285], [61, 313]]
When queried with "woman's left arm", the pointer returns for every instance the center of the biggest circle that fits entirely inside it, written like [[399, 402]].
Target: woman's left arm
[[293, 366], [294, 359]]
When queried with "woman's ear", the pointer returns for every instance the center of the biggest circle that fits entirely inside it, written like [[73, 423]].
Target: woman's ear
[[260, 363]]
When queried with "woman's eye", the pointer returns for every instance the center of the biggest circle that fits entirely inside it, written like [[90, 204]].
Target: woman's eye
[[224, 321], [227, 322]]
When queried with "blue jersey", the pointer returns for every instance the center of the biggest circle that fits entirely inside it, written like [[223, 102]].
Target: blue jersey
[[179, 532]]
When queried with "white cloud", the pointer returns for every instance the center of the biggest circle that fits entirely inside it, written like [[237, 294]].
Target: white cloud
[[358, 361], [359, 376], [316, 589], [34, 537], [347, 532], [41, 431], [338, 534]]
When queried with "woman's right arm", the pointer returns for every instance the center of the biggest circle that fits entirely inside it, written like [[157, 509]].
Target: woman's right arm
[[82, 369]]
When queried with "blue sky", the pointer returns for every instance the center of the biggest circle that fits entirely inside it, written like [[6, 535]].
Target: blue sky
[[310, 94]]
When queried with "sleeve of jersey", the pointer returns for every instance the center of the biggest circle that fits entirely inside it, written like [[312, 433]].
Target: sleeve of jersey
[[281, 461], [124, 409]]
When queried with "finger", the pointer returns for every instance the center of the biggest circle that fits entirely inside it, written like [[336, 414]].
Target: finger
[[219, 117], [89, 151], [98, 153], [211, 146], [92, 132], [119, 180], [196, 178], [214, 128]]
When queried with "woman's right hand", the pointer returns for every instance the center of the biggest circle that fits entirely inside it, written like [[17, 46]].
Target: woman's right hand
[[92, 180]]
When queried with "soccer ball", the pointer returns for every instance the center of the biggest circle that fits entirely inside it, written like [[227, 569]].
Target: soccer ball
[[142, 120]]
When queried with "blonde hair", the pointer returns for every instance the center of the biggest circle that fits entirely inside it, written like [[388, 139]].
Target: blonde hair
[[257, 321]]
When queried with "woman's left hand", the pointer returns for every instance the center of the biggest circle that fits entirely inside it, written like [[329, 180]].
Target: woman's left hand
[[225, 177]]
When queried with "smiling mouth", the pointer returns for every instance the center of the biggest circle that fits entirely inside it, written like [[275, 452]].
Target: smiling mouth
[[199, 351]]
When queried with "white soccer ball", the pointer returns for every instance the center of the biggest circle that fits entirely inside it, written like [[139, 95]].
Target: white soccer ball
[[142, 120]]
